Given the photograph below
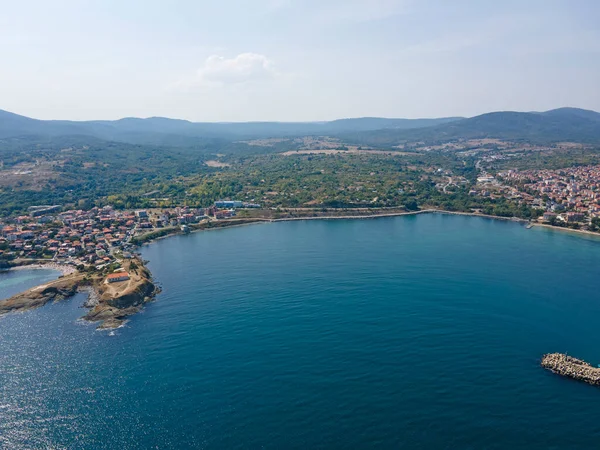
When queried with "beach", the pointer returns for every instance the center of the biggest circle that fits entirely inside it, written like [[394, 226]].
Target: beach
[[64, 269]]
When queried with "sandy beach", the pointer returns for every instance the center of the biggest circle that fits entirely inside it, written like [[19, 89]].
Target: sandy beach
[[62, 268], [568, 230]]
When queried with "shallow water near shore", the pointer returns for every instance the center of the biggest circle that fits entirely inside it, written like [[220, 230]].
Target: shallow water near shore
[[15, 281], [419, 331]]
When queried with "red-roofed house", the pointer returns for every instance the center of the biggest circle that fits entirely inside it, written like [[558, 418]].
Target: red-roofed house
[[116, 277]]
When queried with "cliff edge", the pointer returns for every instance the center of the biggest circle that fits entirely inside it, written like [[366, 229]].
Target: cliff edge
[[121, 294], [112, 297]]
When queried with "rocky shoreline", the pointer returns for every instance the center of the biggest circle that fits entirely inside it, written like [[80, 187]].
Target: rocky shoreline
[[112, 308], [108, 305], [40, 295], [567, 366]]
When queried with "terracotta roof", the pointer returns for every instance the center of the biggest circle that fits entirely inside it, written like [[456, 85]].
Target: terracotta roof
[[112, 276]]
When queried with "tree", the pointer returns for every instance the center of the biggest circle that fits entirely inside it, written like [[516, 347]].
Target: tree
[[411, 205]]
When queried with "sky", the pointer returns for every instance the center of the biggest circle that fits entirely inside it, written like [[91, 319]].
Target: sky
[[296, 60]]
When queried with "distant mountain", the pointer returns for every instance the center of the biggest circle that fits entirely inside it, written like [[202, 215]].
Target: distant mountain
[[378, 123], [15, 125], [573, 113], [163, 131], [564, 124]]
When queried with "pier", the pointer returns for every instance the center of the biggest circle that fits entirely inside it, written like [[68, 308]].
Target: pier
[[567, 366]]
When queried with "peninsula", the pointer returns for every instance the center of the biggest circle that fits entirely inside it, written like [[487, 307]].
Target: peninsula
[[112, 298]]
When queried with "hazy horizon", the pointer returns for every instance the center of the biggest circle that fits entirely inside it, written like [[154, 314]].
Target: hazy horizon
[[286, 121], [292, 61]]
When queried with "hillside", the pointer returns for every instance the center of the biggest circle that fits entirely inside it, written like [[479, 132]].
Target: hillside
[[564, 124], [173, 132]]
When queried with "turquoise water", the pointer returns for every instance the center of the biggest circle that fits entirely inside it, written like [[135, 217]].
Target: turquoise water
[[422, 331], [15, 281]]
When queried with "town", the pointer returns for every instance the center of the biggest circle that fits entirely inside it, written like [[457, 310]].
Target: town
[[569, 195], [94, 239], [97, 238]]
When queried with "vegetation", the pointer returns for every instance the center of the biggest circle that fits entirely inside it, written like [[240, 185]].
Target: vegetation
[[171, 132], [138, 240], [350, 181], [81, 173], [565, 124], [164, 163], [558, 158]]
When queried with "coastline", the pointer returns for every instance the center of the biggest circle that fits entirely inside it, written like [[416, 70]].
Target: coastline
[[108, 304], [62, 268], [398, 214], [229, 223], [199, 227], [441, 211], [61, 288], [568, 230], [112, 310]]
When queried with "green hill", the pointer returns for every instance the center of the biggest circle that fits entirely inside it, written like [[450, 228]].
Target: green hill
[[564, 124], [163, 131]]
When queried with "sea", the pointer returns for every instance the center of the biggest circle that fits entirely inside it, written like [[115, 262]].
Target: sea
[[408, 332]]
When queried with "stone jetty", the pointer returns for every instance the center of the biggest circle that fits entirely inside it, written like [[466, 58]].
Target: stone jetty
[[568, 366]]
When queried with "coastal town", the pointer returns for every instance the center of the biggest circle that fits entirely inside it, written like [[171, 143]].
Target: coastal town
[[95, 251], [568, 196], [95, 247], [93, 239]]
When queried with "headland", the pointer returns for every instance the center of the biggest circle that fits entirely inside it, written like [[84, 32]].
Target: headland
[[112, 297]]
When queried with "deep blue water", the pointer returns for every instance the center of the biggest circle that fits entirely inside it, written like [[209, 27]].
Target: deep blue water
[[422, 331]]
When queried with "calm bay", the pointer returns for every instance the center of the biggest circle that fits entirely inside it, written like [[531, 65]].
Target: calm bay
[[418, 331]]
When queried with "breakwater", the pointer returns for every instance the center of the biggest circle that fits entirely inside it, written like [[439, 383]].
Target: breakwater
[[567, 366]]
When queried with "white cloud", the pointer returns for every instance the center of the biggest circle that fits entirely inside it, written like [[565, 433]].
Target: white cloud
[[245, 67], [242, 73]]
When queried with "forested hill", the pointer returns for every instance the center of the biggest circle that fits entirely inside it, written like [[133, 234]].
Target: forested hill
[[564, 124], [163, 131]]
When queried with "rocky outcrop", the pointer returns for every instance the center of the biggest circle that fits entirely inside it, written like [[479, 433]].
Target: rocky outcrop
[[109, 304], [36, 297], [109, 316], [144, 289], [118, 301], [568, 366]]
